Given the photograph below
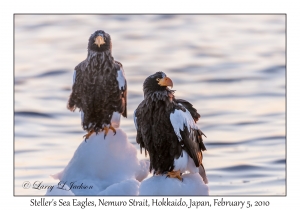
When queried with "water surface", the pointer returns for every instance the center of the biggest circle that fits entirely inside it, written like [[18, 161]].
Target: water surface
[[230, 67]]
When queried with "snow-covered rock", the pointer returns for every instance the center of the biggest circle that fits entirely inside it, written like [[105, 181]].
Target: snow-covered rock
[[192, 184], [103, 167]]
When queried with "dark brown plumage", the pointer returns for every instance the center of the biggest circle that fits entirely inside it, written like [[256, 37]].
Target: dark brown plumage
[[99, 87]]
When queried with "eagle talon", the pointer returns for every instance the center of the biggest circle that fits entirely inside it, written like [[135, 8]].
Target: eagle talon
[[175, 174], [86, 136], [106, 129], [113, 129]]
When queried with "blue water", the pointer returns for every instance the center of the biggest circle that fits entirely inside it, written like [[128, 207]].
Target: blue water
[[230, 67]]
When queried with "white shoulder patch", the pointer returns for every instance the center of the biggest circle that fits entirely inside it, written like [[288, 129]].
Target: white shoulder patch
[[134, 118], [180, 118], [74, 76], [121, 78]]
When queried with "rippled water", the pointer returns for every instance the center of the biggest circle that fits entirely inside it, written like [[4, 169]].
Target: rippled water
[[231, 67]]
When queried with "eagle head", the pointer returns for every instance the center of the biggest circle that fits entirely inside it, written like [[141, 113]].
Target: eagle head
[[99, 41], [157, 82]]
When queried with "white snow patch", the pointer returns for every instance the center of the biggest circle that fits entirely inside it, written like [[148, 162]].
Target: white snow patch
[[126, 187], [192, 184], [143, 170], [56, 190], [58, 175], [109, 165]]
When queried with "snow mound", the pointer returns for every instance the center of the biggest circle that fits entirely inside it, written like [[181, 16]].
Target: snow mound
[[160, 185], [143, 170], [127, 187], [104, 166], [59, 191]]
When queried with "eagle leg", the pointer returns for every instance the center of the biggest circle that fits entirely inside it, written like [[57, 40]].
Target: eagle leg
[[175, 174], [88, 134], [106, 129]]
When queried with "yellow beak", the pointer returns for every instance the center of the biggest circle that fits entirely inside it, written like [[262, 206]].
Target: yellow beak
[[166, 81], [99, 41]]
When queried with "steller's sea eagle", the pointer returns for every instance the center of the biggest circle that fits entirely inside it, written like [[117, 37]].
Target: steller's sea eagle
[[99, 87], [167, 130]]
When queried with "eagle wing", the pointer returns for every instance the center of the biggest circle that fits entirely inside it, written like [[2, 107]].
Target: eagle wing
[[77, 81], [77, 76], [188, 132], [189, 107], [141, 128], [122, 86]]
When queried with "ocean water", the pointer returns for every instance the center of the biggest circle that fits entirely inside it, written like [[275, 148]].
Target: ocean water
[[230, 67]]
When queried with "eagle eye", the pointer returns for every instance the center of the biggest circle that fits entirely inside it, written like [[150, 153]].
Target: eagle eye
[[157, 79]]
